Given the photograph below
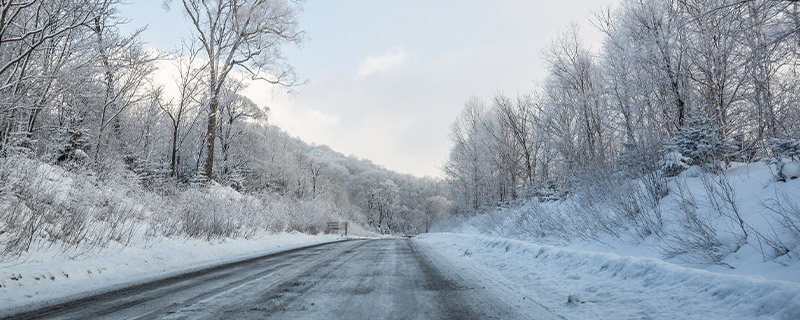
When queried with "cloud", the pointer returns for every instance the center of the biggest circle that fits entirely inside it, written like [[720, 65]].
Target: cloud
[[383, 62], [392, 99], [319, 118]]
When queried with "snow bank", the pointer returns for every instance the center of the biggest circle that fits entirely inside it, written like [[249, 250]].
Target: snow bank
[[610, 286], [617, 217], [25, 284]]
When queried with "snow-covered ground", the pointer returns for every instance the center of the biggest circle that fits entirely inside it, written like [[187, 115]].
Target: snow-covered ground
[[593, 285], [755, 193], [48, 277], [561, 249]]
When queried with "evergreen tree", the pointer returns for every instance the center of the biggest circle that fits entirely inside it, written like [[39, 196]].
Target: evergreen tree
[[700, 140]]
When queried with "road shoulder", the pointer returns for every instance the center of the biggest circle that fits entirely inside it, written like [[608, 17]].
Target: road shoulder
[[495, 295]]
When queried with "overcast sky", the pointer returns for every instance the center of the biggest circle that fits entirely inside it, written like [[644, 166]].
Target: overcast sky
[[386, 78]]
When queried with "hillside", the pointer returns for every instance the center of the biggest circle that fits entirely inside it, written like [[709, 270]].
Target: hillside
[[695, 223]]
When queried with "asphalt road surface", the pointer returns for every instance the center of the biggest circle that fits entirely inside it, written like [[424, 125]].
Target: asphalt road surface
[[357, 279]]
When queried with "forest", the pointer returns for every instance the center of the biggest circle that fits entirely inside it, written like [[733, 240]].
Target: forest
[[650, 169], [95, 149], [679, 92]]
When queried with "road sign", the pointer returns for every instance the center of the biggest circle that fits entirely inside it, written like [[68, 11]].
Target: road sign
[[338, 227]]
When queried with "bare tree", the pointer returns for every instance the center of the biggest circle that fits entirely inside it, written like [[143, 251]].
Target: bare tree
[[245, 34], [235, 110], [31, 32], [126, 66], [521, 119], [188, 83]]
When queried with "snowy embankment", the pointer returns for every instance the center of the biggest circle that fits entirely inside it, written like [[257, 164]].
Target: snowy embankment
[[740, 222], [592, 285], [70, 234], [26, 285]]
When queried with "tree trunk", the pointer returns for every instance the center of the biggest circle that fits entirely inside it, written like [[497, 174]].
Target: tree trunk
[[211, 135], [172, 162], [109, 90]]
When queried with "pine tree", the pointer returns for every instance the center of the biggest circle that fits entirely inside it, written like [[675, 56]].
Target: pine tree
[[700, 140], [72, 143], [785, 149]]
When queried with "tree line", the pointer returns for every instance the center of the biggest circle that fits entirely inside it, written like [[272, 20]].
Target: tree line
[[675, 83], [78, 93]]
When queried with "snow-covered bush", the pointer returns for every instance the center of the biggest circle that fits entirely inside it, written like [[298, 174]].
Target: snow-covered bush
[[44, 206], [212, 213], [673, 163], [304, 216], [606, 204], [546, 193], [785, 209], [532, 219], [722, 199], [589, 204], [640, 158], [786, 160], [787, 148], [692, 237], [612, 202]]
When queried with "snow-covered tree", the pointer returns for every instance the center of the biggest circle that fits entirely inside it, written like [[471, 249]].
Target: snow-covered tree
[[701, 141], [244, 35]]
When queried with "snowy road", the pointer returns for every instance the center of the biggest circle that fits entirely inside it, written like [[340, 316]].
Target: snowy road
[[360, 279]]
